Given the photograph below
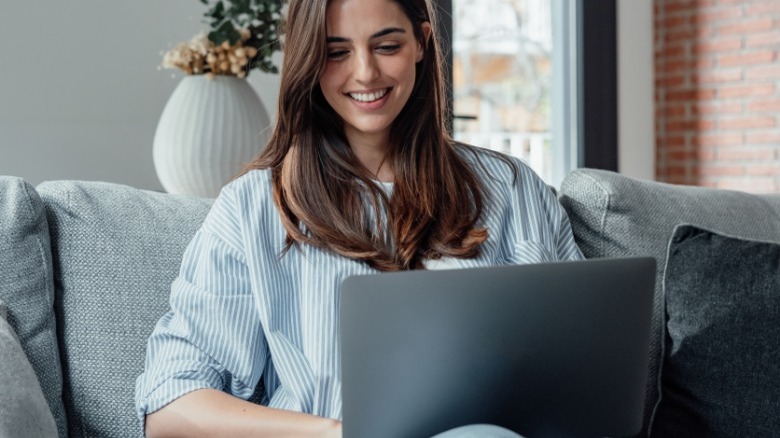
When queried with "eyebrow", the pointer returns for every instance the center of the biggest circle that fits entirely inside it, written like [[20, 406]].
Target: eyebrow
[[381, 33]]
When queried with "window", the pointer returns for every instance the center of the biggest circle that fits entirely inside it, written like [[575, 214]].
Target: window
[[521, 84]]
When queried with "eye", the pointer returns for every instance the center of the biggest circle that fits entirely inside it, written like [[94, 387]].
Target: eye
[[336, 55], [388, 49]]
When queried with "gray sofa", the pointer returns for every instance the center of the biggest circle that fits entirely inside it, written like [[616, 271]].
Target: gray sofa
[[85, 270]]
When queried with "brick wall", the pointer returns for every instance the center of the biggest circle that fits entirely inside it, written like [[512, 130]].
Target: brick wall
[[717, 66]]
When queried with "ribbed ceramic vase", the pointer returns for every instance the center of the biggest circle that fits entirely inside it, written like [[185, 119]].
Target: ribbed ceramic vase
[[209, 129]]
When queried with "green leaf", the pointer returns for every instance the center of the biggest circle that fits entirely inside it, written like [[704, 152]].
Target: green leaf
[[225, 32], [217, 12]]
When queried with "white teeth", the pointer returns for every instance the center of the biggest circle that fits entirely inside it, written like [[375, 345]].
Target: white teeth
[[368, 97]]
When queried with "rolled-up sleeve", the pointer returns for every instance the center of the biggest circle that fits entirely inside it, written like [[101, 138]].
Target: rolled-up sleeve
[[211, 337]]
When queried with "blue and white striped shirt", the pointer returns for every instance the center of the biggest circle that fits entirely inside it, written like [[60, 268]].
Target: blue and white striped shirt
[[239, 312]]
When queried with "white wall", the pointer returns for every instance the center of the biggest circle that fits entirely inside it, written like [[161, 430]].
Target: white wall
[[636, 104], [80, 93]]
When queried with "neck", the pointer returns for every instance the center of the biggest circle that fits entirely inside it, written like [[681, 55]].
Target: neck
[[372, 151]]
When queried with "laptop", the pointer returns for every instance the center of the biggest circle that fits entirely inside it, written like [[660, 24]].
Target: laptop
[[554, 349]]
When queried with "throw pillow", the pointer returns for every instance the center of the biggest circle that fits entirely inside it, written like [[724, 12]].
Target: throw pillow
[[115, 252], [23, 408], [721, 369], [613, 215], [27, 286]]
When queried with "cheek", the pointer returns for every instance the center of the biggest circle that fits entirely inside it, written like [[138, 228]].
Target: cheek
[[403, 70], [329, 81]]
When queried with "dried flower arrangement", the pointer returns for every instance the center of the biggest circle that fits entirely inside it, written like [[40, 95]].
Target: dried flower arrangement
[[243, 36]]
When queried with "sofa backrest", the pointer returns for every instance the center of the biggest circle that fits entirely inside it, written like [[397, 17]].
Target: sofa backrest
[[616, 216], [27, 286], [115, 252]]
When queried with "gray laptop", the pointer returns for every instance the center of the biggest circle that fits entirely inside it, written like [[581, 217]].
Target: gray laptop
[[556, 349]]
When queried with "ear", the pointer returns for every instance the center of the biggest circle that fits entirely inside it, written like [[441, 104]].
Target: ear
[[426, 28]]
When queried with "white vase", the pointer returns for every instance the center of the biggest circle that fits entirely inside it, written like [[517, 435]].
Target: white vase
[[208, 131]]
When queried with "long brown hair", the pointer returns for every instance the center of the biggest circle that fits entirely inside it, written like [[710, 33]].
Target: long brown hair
[[320, 188]]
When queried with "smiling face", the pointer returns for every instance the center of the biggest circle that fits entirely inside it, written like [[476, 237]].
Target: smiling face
[[370, 71]]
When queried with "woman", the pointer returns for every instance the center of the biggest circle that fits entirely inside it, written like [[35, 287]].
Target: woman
[[358, 177]]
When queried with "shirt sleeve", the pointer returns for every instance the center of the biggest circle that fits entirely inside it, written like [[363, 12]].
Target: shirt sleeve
[[544, 222], [211, 337], [566, 246]]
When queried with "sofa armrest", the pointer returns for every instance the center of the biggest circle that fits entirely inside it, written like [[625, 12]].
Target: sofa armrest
[[23, 408]]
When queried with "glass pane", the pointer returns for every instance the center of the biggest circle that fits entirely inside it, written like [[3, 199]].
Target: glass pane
[[502, 77]]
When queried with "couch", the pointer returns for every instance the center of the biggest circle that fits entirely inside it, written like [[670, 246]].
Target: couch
[[85, 271]]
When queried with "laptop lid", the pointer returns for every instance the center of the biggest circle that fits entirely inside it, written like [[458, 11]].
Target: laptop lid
[[557, 349]]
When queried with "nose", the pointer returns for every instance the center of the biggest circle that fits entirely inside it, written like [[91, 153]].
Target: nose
[[366, 68]]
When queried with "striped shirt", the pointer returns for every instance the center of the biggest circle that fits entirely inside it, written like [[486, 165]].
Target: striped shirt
[[239, 312]]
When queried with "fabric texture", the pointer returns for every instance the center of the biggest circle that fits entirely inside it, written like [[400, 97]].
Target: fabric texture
[[721, 370], [613, 215], [115, 251], [23, 408], [27, 286], [240, 312]]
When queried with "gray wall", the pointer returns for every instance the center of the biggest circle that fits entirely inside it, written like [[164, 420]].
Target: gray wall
[[80, 93]]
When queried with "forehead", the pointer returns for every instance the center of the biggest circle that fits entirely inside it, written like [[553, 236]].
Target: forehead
[[357, 19]]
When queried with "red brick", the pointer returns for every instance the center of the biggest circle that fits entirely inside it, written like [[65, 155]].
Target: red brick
[[680, 155], [717, 169], [690, 125], [728, 91], [717, 45], [677, 66], [718, 139], [764, 71], [745, 153], [678, 35], [762, 8], [763, 137], [758, 57], [674, 141], [726, 2], [719, 75], [678, 170], [718, 107], [674, 51], [771, 39], [746, 26], [705, 153], [763, 169], [690, 95], [676, 21], [676, 6], [765, 105], [747, 123], [752, 185], [674, 111], [670, 81], [705, 62], [717, 15]]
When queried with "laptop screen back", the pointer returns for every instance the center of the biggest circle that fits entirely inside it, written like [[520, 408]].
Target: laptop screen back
[[555, 349]]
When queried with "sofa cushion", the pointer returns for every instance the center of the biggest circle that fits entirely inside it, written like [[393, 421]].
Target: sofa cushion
[[613, 215], [23, 408], [721, 370], [27, 288], [116, 251]]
